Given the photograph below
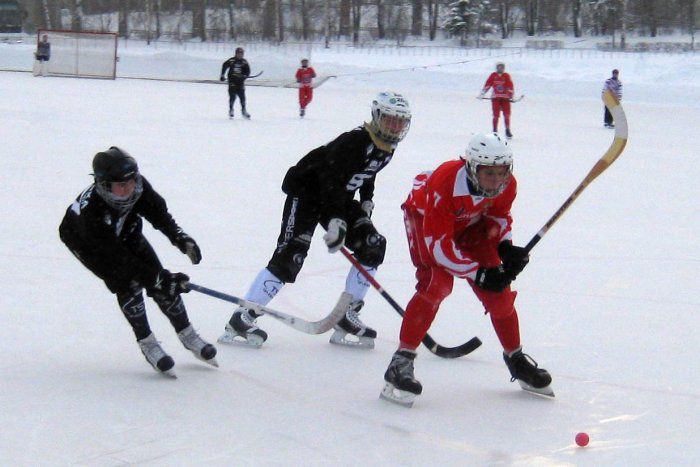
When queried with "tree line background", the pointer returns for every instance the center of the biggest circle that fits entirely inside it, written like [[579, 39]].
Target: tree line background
[[363, 20]]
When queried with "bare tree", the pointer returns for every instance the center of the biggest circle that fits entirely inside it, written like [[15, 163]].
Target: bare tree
[[75, 8], [504, 17], [344, 20], [433, 11], [532, 16], [356, 20], [381, 16], [269, 20], [231, 18], [280, 21], [123, 14], [199, 19], [417, 17], [576, 17]]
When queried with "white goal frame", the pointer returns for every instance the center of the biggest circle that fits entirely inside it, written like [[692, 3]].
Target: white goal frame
[[81, 54]]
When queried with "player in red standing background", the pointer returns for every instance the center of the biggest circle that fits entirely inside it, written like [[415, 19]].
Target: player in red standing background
[[305, 75], [501, 96], [458, 224]]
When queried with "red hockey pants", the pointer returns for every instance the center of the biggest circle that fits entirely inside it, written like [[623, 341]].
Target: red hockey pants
[[306, 94], [498, 105], [435, 284]]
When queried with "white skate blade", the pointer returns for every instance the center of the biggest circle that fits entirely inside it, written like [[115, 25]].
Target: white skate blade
[[229, 338], [340, 337], [546, 391], [397, 396]]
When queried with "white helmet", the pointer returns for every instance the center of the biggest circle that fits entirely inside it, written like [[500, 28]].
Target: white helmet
[[488, 149], [391, 116]]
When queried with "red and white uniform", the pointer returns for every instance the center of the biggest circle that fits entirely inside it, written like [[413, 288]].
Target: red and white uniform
[[500, 97], [452, 233], [305, 76]]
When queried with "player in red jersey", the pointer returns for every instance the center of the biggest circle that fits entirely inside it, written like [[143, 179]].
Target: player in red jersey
[[305, 75], [501, 96], [458, 224]]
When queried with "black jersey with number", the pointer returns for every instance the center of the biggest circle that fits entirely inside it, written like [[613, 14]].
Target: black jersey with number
[[238, 70], [92, 229], [331, 174]]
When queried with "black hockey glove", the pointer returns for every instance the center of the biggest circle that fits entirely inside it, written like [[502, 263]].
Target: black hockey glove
[[493, 279], [367, 206], [514, 258], [171, 284], [221, 78], [188, 246]]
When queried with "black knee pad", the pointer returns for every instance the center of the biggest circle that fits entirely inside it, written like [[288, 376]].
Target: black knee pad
[[286, 262], [368, 245]]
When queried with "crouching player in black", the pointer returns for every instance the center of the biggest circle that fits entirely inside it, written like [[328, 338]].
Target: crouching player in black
[[321, 189], [102, 228]]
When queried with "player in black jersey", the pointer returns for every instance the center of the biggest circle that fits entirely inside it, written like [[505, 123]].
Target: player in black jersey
[[238, 71], [321, 189], [102, 228]]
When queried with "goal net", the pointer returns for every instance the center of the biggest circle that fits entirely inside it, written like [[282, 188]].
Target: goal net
[[81, 54]]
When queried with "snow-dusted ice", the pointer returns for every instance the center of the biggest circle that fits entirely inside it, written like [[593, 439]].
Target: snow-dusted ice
[[608, 304]]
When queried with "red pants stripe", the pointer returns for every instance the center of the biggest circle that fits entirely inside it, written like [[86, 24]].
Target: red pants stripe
[[435, 284]]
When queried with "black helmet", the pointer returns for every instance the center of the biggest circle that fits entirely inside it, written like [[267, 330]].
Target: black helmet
[[114, 165], [239, 49]]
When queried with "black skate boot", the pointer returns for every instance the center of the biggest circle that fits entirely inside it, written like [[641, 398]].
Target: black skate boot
[[156, 356], [302, 112], [531, 378], [508, 133], [242, 324], [198, 346], [401, 386], [246, 115], [351, 325], [230, 114]]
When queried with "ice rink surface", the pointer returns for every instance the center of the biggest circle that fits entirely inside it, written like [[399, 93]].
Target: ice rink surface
[[608, 304]]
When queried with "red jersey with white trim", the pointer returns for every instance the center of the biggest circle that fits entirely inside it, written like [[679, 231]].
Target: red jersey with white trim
[[502, 85], [305, 76], [448, 207]]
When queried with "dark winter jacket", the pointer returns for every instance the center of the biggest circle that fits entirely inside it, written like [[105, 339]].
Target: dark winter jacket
[[100, 236], [331, 174], [238, 71]]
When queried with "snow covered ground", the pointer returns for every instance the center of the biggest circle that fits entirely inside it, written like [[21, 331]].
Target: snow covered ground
[[608, 303]]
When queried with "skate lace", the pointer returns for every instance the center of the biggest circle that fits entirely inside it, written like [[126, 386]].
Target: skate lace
[[152, 350], [403, 366], [247, 319], [353, 314], [522, 363], [192, 340]]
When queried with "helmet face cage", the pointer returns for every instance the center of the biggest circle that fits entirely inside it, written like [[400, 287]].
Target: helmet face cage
[[116, 166], [488, 150], [391, 116]]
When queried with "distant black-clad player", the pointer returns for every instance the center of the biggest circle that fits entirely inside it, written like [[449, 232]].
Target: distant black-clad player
[[102, 228], [238, 71], [321, 189]]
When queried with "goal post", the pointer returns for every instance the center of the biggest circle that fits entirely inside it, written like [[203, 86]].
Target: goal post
[[80, 54]]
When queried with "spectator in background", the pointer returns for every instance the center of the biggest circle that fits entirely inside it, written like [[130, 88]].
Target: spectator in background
[[614, 85], [42, 54]]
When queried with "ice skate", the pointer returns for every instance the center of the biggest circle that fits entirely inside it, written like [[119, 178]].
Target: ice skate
[[302, 112], [230, 114], [508, 133], [242, 329], [246, 115], [200, 348], [401, 386], [350, 325], [156, 356], [531, 378]]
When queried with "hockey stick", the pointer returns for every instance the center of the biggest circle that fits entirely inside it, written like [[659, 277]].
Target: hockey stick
[[444, 352], [613, 152], [307, 327], [255, 75], [512, 99]]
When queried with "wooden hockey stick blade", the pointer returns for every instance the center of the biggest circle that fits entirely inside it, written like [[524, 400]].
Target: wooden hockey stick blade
[[613, 152], [307, 327], [255, 75]]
